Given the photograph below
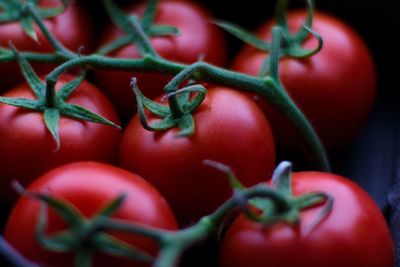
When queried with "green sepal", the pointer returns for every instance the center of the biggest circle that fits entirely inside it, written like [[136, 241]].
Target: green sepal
[[164, 124], [115, 45], [65, 92], [67, 212], [281, 178], [244, 35], [112, 246], [27, 26], [164, 30], [186, 125], [110, 208], [296, 50], [78, 112], [233, 180], [117, 15], [51, 119], [149, 14], [30, 75], [26, 103], [303, 33]]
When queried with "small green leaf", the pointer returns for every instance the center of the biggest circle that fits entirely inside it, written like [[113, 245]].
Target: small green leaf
[[149, 14], [51, 119], [65, 92], [27, 25], [37, 86], [164, 30], [78, 112], [244, 35], [22, 103], [110, 245]]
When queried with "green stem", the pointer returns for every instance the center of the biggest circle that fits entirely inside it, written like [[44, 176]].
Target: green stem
[[58, 46], [51, 99], [280, 15]]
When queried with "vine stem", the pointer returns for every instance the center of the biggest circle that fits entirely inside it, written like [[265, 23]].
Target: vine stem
[[269, 89]]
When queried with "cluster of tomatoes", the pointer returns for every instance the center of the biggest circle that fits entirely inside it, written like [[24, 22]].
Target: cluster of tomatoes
[[163, 176]]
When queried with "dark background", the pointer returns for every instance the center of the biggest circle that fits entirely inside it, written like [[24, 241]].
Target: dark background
[[372, 159]]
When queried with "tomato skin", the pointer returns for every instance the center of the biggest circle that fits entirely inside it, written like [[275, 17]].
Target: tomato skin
[[229, 128], [88, 186], [72, 28], [27, 148], [354, 233], [199, 38], [334, 88]]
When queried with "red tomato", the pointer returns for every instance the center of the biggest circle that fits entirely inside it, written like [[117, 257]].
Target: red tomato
[[230, 129], [27, 148], [354, 233], [334, 88], [72, 28], [199, 39], [88, 186]]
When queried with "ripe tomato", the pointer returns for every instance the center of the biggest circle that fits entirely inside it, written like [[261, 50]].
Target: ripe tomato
[[72, 28], [88, 186], [354, 233], [334, 88], [199, 39], [230, 129], [27, 148]]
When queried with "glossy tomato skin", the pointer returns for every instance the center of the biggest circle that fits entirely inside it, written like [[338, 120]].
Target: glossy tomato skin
[[88, 186], [334, 88], [229, 128], [354, 233], [27, 148], [199, 39], [72, 28]]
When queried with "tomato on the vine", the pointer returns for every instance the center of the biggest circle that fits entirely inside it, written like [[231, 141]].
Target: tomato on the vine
[[88, 186], [72, 28], [27, 148], [199, 39], [354, 233], [229, 128], [334, 88]]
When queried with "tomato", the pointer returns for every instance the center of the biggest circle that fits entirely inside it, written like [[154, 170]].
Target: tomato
[[354, 233], [72, 28], [27, 148], [229, 128], [199, 39], [88, 186], [334, 88]]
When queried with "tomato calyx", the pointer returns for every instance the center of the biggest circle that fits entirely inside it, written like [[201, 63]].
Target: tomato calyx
[[51, 103], [177, 114], [136, 31], [284, 207], [84, 236], [290, 45], [19, 11]]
